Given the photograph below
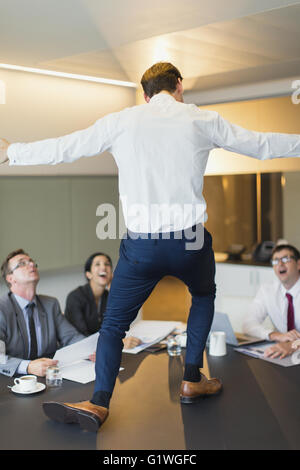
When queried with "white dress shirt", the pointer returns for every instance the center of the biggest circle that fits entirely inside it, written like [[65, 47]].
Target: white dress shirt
[[271, 301], [161, 150]]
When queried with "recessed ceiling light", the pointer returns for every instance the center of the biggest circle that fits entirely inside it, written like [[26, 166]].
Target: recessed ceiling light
[[74, 76]]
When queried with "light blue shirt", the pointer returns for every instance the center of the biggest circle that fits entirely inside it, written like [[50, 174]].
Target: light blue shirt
[[22, 369]]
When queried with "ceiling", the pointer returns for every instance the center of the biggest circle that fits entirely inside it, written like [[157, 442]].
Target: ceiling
[[214, 43]]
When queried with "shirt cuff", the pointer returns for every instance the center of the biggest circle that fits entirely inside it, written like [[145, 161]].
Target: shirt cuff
[[268, 334], [22, 368], [19, 154]]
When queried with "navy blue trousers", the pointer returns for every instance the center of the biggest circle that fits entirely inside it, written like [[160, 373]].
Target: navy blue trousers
[[142, 264]]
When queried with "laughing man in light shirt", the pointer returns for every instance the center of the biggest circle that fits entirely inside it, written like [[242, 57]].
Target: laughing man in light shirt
[[280, 301], [161, 149]]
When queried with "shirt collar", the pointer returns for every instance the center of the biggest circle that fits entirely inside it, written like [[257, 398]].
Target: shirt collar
[[23, 302], [293, 290], [162, 98]]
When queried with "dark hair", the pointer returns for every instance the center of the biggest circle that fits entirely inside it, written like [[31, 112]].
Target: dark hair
[[291, 248], [161, 76], [4, 268], [89, 261]]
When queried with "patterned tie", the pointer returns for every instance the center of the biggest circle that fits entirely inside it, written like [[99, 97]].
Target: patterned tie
[[33, 341], [290, 315]]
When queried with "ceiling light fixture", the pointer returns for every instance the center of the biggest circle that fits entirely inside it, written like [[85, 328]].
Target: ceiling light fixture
[[74, 76]]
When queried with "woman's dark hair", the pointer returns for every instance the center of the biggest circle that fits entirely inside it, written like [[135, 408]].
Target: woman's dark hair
[[89, 261], [161, 76]]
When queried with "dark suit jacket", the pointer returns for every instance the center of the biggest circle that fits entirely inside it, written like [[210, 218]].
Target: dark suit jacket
[[81, 310], [56, 330]]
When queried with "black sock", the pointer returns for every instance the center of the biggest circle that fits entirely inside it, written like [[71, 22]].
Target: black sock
[[101, 398], [192, 373]]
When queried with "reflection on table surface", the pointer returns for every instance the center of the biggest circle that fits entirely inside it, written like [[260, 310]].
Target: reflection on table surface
[[258, 409]]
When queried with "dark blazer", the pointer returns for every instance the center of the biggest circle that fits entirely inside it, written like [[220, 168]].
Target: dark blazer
[[81, 310], [56, 330]]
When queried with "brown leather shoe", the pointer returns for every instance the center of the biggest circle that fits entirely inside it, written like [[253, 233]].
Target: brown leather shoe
[[192, 392], [85, 413]]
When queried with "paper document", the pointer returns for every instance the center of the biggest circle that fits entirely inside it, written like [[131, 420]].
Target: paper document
[[77, 351], [151, 332], [81, 371], [258, 350], [73, 360]]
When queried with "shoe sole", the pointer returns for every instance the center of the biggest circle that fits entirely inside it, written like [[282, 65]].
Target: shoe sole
[[198, 398], [68, 415]]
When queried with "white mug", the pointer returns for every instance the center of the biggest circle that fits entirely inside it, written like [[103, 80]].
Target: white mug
[[26, 383], [217, 343]]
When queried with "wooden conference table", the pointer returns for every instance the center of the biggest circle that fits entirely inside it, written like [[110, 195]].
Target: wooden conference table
[[258, 409]]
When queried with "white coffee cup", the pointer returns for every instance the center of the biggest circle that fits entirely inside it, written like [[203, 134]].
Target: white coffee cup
[[26, 383], [217, 343]]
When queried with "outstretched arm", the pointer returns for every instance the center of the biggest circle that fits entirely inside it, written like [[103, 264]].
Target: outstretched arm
[[84, 143], [260, 145]]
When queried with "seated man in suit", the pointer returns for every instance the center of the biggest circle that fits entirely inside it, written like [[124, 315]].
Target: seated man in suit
[[280, 301], [32, 326]]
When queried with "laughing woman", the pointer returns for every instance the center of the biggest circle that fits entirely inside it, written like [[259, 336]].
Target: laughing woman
[[86, 304]]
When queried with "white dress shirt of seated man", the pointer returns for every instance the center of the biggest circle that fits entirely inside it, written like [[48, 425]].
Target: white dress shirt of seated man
[[287, 268], [286, 265]]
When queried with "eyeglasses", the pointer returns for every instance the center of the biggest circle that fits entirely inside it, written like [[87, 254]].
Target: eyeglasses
[[284, 259], [22, 263]]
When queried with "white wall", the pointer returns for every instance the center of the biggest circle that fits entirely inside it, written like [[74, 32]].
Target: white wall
[[39, 107]]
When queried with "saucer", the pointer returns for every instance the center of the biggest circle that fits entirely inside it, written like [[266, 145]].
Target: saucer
[[39, 387]]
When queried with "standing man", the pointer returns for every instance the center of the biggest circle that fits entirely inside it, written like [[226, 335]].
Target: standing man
[[161, 149]]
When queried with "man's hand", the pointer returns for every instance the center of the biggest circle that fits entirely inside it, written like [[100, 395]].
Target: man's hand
[[3, 150], [131, 342], [291, 335], [280, 350], [39, 366]]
